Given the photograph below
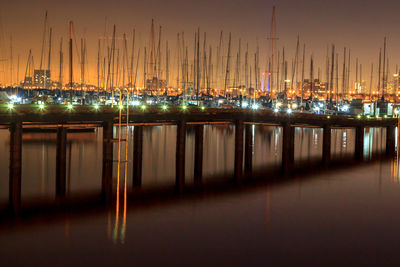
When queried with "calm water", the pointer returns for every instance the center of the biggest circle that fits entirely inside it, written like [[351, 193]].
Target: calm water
[[341, 217]]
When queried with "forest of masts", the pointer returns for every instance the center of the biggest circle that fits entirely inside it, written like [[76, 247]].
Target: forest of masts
[[197, 68]]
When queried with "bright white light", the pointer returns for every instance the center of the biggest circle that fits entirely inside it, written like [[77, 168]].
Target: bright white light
[[10, 106], [255, 106], [345, 108], [289, 111], [245, 104], [120, 106], [41, 106], [96, 106], [70, 106], [396, 111], [321, 105], [276, 110], [135, 103], [317, 109], [164, 107], [220, 101], [294, 106], [278, 104]]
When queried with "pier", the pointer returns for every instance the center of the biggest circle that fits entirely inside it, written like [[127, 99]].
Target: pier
[[58, 118]]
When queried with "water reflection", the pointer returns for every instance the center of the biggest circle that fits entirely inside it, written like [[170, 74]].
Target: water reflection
[[318, 221], [84, 155]]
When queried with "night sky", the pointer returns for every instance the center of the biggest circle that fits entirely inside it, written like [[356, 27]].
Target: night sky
[[357, 24]]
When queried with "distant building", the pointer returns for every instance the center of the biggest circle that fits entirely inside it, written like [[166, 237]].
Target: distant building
[[42, 78]]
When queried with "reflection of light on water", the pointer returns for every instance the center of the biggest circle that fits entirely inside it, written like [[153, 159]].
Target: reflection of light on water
[[395, 170], [344, 139], [116, 235]]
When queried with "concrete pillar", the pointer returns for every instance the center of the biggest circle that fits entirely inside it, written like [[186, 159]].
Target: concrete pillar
[[326, 145], [61, 162], [198, 153], [137, 155], [390, 140], [180, 155], [238, 170], [359, 146], [287, 147], [108, 158], [248, 149], [15, 167]]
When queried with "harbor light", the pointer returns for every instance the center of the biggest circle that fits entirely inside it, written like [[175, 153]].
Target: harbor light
[[164, 107], [289, 111], [10, 106], [96, 107], [358, 116], [143, 107], [41, 106], [135, 103], [203, 108], [184, 107], [70, 106]]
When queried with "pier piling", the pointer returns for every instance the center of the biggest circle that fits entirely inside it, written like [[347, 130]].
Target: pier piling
[[198, 153], [248, 149], [326, 145], [107, 160], [61, 162], [287, 147], [15, 166], [238, 170], [359, 143], [137, 155], [390, 140], [180, 155]]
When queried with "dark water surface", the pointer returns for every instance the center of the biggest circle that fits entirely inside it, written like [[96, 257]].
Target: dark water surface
[[341, 217]]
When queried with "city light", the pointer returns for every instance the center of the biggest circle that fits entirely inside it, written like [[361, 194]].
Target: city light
[[255, 106], [121, 107], [289, 111], [96, 106], [10, 106], [41, 106], [70, 106], [245, 104], [203, 108], [184, 107], [164, 107], [276, 110]]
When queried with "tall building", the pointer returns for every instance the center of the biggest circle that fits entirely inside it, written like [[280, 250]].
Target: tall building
[[42, 78]]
